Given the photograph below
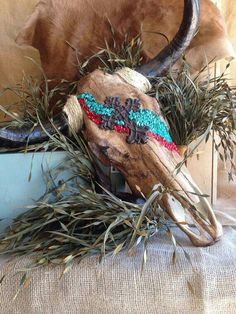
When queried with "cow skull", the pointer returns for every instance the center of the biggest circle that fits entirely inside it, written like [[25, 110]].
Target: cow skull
[[109, 106], [144, 159]]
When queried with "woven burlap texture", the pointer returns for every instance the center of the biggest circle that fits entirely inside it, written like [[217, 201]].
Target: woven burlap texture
[[117, 285]]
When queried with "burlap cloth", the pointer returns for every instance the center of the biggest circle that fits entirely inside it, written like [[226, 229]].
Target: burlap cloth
[[117, 285]]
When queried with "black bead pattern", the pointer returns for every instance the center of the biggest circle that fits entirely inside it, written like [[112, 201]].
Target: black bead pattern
[[137, 134]]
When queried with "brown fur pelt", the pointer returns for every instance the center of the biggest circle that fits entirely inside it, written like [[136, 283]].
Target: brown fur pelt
[[85, 25]]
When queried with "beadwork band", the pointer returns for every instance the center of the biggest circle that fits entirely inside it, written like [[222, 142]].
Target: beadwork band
[[140, 124]]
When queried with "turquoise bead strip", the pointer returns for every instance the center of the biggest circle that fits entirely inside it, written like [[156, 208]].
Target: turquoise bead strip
[[146, 117]]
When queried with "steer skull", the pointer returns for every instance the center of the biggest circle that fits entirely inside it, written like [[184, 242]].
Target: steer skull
[[124, 128], [143, 158]]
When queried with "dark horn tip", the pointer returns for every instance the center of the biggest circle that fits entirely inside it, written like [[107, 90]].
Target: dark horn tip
[[20, 137]]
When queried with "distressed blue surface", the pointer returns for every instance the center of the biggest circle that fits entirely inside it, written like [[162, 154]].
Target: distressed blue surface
[[16, 191]]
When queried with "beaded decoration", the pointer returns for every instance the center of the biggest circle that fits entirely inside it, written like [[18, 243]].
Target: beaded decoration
[[140, 124]]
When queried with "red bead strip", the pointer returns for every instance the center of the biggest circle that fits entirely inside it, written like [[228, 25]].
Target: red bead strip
[[121, 129], [170, 146], [91, 115]]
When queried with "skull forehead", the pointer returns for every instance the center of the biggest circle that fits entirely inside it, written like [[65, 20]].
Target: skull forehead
[[101, 85]]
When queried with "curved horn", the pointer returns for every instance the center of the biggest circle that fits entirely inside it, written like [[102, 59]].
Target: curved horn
[[71, 116], [171, 53]]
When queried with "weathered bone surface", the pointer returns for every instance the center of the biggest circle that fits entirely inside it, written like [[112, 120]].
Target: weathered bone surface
[[145, 165]]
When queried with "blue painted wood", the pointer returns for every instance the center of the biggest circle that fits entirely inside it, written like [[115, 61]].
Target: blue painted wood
[[16, 190], [22, 180]]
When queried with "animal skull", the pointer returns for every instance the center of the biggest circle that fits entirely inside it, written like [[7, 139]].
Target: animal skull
[[145, 165]]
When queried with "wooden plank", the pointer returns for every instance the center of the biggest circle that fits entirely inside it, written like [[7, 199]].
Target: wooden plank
[[17, 187]]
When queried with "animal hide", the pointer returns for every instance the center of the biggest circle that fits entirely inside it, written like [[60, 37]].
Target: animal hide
[[85, 25]]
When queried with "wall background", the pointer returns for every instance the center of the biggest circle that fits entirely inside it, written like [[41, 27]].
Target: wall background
[[228, 9]]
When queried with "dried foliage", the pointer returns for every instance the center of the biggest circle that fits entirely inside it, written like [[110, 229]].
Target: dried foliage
[[35, 100], [199, 107], [112, 57], [79, 218]]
